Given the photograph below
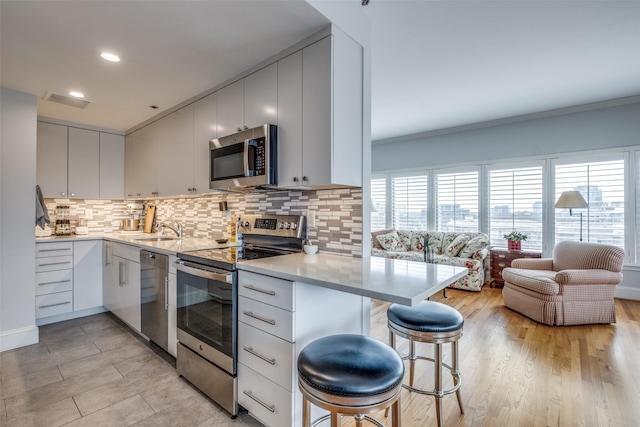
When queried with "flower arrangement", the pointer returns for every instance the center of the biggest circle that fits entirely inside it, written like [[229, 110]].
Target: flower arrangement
[[515, 236], [515, 239]]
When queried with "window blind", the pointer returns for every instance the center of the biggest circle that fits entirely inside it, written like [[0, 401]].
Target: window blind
[[378, 203], [515, 203], [602, 186], [409, 202], [457, 201]]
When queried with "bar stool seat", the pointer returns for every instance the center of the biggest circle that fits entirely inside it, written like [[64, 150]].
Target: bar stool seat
[[350, 375], [434, 323]]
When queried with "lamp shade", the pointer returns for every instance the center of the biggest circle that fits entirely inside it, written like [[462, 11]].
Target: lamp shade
[[571, 199]]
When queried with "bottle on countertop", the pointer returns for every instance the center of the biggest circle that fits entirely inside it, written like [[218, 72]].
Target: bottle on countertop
[[233, 228]]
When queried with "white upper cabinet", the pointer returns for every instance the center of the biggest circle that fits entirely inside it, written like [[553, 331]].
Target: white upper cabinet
[[174, 150], [290, 120], [140, 163], [320, 115], [84, 164], [51, 163], [250, 102], [231, 108], [261, 97], [79, 163], [111, 166], [205, 125]]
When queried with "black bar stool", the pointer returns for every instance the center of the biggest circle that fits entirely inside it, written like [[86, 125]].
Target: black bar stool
[[350, 375], [434, 323]]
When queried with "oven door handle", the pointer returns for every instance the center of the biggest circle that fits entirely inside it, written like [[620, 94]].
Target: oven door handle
[[221, 276]]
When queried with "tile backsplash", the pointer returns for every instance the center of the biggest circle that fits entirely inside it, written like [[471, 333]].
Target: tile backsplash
[[338, 214]]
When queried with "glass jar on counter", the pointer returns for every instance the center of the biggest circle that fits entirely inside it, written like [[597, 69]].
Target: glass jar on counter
[[63, 220]]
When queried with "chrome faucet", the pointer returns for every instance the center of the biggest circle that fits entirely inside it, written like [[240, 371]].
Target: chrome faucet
[[177, 229]]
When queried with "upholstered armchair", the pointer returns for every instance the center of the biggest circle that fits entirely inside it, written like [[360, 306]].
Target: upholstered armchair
[[574, 287]]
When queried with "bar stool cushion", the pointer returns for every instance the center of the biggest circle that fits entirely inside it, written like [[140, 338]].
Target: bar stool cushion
[[350, 366], [428, 316]]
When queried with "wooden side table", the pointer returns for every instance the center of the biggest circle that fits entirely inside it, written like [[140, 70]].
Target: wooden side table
[[501, 258]]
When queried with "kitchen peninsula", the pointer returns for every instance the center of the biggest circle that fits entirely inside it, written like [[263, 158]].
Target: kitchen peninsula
[[285, 302]]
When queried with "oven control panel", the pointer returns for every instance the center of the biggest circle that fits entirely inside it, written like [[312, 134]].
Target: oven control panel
[[273, 225]]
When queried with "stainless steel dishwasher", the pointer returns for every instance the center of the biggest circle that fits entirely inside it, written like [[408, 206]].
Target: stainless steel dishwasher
[[154, 303]]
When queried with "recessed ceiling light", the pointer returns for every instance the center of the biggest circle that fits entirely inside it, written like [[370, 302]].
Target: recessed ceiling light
[[110, 57], [76, 94]]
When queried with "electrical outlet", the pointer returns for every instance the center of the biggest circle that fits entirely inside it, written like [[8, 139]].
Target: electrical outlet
[[311, 218]]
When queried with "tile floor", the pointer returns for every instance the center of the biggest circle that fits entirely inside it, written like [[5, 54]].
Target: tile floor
[[95, 371]]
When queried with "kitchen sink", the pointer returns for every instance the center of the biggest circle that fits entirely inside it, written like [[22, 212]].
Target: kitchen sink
[[156, 239]]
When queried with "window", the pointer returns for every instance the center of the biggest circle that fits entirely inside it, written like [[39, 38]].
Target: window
[[515, 203], [409, 202], [602, 186], [457, 196], [378, 204]]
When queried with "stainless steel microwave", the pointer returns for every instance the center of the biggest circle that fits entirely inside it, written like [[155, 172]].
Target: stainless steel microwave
[[244, 159]]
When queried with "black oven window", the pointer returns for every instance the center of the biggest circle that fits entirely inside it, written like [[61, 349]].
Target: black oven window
[[205, 310]]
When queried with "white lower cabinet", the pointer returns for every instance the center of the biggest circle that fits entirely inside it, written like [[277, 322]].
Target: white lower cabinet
[[121, 282], [68, 280], [277, 318]]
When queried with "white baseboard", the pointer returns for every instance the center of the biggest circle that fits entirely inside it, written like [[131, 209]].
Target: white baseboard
[[626, 292], [20, 337], [69, 316]]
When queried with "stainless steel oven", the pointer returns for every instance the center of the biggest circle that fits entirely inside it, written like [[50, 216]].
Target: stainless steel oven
[[207, 332], [207, 302]]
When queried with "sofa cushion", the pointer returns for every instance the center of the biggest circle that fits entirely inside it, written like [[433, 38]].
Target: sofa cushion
[[391, 242], [476, 248], [456, 245], [541, 281], [417, 240], [405, 238], [374, 237]]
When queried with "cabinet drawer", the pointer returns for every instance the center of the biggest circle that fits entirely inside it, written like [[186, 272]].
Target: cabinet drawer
[[276, 292], [54, 304], [54, 249], [265, 400], [54, 263], [51, 282], [265, 317], [132, 253], [264, 353]]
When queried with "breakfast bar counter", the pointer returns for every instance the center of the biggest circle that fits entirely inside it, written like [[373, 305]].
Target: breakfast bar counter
[[391, 280]]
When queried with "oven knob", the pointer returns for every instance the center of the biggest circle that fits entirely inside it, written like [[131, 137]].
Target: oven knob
[[280, 225], [294, 226], [244, 223], [286, 225]]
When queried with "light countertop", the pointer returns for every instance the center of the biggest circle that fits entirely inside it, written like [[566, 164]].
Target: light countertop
[[169, 247], [392, 280]]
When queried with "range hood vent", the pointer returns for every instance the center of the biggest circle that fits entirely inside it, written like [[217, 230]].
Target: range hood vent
[[66, 100]]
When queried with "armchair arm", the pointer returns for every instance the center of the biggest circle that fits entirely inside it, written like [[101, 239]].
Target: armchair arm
[[533, 263], [588, 277]]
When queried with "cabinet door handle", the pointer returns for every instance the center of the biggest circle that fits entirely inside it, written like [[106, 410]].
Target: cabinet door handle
[[54, 305], [255, 353], [166, 293], [121, 281], [54, 250], [502, 256], [53, 283], [53, 263], [270, 408], [501, 264], [262, 319], [106, 255], [264, 291]]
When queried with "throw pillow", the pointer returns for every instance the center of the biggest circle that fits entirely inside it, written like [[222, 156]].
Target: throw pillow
[[473, 246], [391, 242], [417, 241], [405, 238], [374, 237], [454, 247]]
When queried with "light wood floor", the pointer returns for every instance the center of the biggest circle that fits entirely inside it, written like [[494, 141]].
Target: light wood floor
[[515, 372]]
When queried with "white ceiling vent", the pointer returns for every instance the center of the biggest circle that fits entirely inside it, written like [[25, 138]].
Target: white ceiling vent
[[66, 100]]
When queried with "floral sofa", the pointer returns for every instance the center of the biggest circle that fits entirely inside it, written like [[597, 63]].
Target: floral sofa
[[461, 249]]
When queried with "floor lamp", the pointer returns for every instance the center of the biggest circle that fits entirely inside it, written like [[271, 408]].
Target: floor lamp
[[572, 199]]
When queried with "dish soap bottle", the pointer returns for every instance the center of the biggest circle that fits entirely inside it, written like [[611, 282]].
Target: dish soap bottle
[[233, 228]]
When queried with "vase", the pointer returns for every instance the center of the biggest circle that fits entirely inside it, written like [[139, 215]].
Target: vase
[[514, 246]]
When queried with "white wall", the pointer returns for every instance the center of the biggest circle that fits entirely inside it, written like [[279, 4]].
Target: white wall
[[588, 130], [17, 219]]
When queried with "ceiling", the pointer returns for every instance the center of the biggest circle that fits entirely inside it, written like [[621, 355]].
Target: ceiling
[[435, 64]]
